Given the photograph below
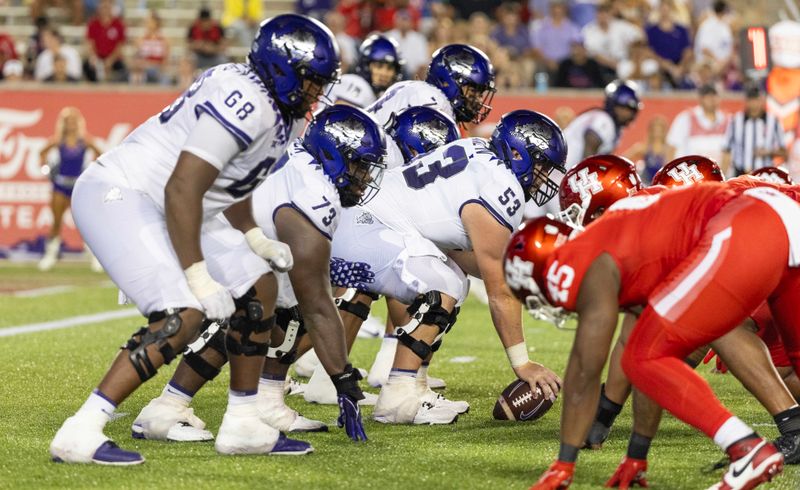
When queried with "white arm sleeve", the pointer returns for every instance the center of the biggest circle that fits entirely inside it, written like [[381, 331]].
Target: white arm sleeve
[[210, 141]]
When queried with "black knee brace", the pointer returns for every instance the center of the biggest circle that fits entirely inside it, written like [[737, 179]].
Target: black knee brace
[[138, 348], [249, 323], [213, 336], [291, 322], [425, 310], [345, 303]]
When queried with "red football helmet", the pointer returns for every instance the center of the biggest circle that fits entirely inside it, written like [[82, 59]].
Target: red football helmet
[[589, 188], [773, 175], [524, 261], [687, 171]]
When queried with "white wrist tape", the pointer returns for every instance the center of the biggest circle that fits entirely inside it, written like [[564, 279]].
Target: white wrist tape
[[200, 281], [518, 355], [259, 243]]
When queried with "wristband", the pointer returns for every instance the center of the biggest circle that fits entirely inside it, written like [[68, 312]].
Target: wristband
[[518, 355]]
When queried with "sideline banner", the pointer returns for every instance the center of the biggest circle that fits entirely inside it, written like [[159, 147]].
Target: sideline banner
[[27, 120]]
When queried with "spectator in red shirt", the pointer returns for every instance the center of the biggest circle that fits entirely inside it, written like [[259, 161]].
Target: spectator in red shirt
[[207, 40], [7, 51], [106, 37]]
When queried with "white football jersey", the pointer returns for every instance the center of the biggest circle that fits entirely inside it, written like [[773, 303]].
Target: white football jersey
[[297, 181], [410, 93], [236, 98], [598, 122], [425, 197], [351, 89]]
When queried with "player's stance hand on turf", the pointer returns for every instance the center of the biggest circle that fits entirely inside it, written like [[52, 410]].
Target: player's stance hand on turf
[[277, 254], [630, 472], [216, 300], [348, 394], [720, 367], [558, 476], [537, 375]]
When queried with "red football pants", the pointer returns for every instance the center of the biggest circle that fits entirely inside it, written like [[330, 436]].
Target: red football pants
[[738, 262]]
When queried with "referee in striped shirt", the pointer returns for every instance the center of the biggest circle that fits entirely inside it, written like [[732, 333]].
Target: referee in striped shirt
[[754, 137]]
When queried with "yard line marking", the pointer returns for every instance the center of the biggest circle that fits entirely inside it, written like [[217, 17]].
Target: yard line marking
[[74, 321], [34, 293], [50, 290]]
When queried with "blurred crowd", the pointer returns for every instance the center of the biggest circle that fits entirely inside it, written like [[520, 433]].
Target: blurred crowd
[[662, 44]]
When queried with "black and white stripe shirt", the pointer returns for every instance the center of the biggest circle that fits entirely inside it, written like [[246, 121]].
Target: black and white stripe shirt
[[745, 136]]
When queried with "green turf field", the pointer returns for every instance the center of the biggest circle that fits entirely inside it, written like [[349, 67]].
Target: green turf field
[[47, 375]]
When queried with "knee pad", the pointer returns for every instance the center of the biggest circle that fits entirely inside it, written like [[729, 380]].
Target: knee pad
[[247, 324], [213, 336], [426, 310], [138, 348], [345, 303], [291, 322]]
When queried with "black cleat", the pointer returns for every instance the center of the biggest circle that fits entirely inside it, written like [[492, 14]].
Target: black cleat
[[789, 445], [597, 436]]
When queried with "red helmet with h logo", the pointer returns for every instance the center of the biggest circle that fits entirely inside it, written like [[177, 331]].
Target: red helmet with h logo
[[525, 258], [773, 175], [589, 188], [688, 170]]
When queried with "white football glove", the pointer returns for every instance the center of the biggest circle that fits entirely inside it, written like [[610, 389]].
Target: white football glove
[[277, 254], [215, 299]]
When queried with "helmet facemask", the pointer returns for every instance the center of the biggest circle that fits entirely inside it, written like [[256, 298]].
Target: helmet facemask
[[474, 102], [362, 180], [311, 90], [542, 188]]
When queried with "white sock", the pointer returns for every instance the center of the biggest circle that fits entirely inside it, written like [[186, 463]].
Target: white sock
[[731, 431], [389, 344], [238, 398], [400, 376], [177, 394], [271, 386], [422, 377], [97, 404]]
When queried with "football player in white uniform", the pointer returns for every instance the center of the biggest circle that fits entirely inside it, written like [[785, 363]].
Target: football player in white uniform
[[149, 209], [460, 84], [597, 131], [465, 198], [379, 66], [338, 163]]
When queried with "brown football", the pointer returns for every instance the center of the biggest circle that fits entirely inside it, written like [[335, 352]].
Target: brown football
[[518, 402]]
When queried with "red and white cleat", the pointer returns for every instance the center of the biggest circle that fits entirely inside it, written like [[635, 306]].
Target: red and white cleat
[[754, 460]]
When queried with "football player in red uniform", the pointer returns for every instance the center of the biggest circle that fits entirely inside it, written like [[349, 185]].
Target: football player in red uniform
[[586, 192], [678, 253]]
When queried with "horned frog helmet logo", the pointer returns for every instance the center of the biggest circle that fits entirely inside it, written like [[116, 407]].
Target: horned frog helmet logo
[[536, 134], [300, 44], [461, 63], [348, 132], [434, 131]]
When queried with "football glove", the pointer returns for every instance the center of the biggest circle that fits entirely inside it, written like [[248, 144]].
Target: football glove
[[348, 394], [720, 367], [351, 274]]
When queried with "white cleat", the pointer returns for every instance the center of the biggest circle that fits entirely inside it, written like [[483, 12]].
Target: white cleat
[[372, 328], [399, 403], [166, 420], [81, 440], [382, 366], [293, 387], [438, 400], [305, 365], [243, 432], [436, 383], [50, 257], [320, 390], [277, 414]]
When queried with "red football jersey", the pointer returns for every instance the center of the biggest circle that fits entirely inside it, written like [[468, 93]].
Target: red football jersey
[[647, 236]]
